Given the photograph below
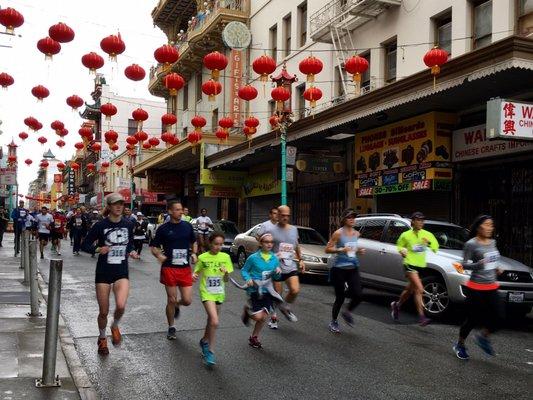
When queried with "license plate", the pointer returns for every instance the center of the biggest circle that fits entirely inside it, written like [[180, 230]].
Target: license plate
[[516, 297]]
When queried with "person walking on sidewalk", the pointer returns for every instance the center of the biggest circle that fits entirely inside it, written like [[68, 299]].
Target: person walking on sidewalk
[[213, 269], [139, 232], [45, 222], [112, 240], [481, 256], [19, 216], [172, 246], [78, 227], [412, 246], [345, 270], [4, 220]]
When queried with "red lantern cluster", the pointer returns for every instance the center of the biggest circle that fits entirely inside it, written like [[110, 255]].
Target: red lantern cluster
[[79, 146], [141, 136], [198, 122], [194, 137], [274, 121], [61, 33], [44, 164], [211, 88], [173, 82], [113, 45], [74, 101], [216, 62], [252, 123], [62, 132], [166, 55], [135, 72], [167, 138], [11, 19], [119, 163], [108, 110], [57, 126], [222, 134], [168, 120], [310, 66], [92, 61], [154, 142], [42, 140], [131, 140], [96, 147], [6, 80], [264, 66], [40, 92], [85, 132], [28, 161]]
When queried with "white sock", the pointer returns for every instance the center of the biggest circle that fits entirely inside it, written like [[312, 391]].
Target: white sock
[[173, 326], [102, 333]]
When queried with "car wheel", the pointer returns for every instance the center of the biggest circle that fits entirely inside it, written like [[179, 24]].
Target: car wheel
[[435, 296], [241, 257]]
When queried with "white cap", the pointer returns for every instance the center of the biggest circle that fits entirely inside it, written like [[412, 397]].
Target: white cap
[[139, 214]]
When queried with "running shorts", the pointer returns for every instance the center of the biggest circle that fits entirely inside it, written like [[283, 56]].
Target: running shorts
[[181, 277], [45, 237], [111, 275], [412, 268], [56, 235], [262, 302], [284, 276]]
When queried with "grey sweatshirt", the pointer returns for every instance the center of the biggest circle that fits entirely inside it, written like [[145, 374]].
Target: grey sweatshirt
[[473, 253]]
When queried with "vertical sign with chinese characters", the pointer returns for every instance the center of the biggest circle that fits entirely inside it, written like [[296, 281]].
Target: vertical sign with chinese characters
[[509, 119], [71, 182], [235, 84]]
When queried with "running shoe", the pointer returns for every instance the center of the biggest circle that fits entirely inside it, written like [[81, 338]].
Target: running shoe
[[176, 312], [273, 323], [348, 318], [171, 334], [103, 350], [288, 314], [209, 358], [484, 344], [245, 318], [460, 351], [395, 311], [58, 253], [204, 346], [42, 256], [116, 336], [254, 342], [423, 321], [334, 327]]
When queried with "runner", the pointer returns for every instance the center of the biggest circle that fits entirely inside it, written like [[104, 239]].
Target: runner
[[58, 230], [259, 266], [129, 216], [176, 237], [4, 220], [112, 240], [345, 270], [412, 245], [45, 221], [268, 224], [480, 256], [213, 269], [204, 224], [139, 232], [70, 214], [77, 226], [95, 217], [19, 216], [186, 216], [286, 248]]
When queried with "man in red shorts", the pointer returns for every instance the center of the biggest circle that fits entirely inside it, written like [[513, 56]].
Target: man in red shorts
[[174, 245]]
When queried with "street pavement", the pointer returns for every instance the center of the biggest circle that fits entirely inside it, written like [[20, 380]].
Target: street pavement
[[377, 359]]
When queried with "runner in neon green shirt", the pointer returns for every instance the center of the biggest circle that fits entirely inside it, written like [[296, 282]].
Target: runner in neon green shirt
[[412, 245], [213, 269]]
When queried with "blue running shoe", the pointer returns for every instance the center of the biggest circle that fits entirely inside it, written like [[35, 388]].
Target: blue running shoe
[[460, 351], [348, 318], [205, 347], [485, 345], [334, 327], [209, 358]]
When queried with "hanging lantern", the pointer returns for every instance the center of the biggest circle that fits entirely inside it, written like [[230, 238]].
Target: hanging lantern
[[92, 61], [49, 47], [62, 132], [113, 147], [75, 166], [166, 137], [216, 62], [135, 72], [166, 55], [211, 89], [96, 147], [91, 167], [147, 145], [248, 132], [42, 140], [434, 58], [11, 19], [312, 95], [11, 160], [247, 93], [111, 137], [79, 145], [60, 143], [74, 102], [60, 166], [108, 110], [40, 92], [131, 140], [38, 126], [252, 123], [85, 132], [280, 94], [28, 161], [222, 134], [6, 80], [105, 164], [198, 122], [173, 82], [274, 121], [23, 135], [61, 33], [168, 120], [226, 123], [30, 122], [119, 163], [141, 136], [44, 164], [57, 126], [140, 116], [174, 140], [264, 66], [310, 66], [357, 66], [194, 137], [154, 142], [113, 45]]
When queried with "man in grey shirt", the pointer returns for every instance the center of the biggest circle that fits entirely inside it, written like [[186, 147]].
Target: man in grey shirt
[[268, 224]]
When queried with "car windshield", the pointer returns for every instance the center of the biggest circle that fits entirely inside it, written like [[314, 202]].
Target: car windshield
[[310, 236], [449, 236], [226, 227]]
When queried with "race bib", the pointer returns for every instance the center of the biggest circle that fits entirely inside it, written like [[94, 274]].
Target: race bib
[[352, 249], [22, 213], [491, 260], [78, 221], [265, 275], [214, 285], [116, 254], [179, 257], [419, 248]]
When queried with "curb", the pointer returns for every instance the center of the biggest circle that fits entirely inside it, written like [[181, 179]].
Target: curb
[[80, 377]]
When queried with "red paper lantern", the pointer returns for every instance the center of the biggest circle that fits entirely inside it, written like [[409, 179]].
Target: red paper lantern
[[167, 137], [61, 33], [194, 137], [42, 140], [62, 132], [154, 142], [91, 167], [105, 164], [96, 147], [12, 159], [23, 135], [280, 94], [252, 123], [79, 145], [38, 126], [216, 62], [147, 145], [57, 126], [92, 61], [11, 19], [141, 136], [247, 92], [211, 89], [49, 47], [274, 121], [131, 140], [28, 161], [60, 166], [139, 115], [75, 166], [312, 95], [6, 80], [264, 66], [226, 123], [166, 55], [113, 45], [119, 163], [168, 120], [111, 136], [198, 122], [108, 110], [310, 66], [30, 122], [113, 147], [174, 140], [85, 132], [173, 82], [74, 101], [434, 58], [135, 72], [248, 132], [44, 164], [222, 134], [357, 66], [40, 92], [60, 143]]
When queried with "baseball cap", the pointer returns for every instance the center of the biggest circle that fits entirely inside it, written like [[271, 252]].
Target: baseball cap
[[95, 211], [114, 198], [418, 215], [350, 212], [139, 214]]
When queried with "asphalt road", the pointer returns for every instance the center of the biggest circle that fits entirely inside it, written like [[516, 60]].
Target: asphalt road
[[377, 359]]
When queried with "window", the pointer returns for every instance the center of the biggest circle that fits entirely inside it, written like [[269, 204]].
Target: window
[[338, 87], [390, 61], [214, 119], [287, 22], [254, 231], [132, 127], [395, 229], [365, 78], [482, 24], [185, 97], [274, 42], [271, 107], [443, 31], [300, 101], [183, 133], [310, 236], [525, 7], [198, 83], [163, 127], [373, 229], [302, 23]]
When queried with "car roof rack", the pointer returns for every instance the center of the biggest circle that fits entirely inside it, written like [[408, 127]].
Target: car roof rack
[[379, 215]]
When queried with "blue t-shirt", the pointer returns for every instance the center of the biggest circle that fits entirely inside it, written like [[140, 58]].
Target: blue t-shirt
[[176, 240], [257, 268]]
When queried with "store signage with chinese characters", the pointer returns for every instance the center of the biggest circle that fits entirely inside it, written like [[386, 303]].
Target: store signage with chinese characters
[[71, 186], [221, 191], [509, 119]]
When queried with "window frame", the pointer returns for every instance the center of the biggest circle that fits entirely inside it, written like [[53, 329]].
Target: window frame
[[132, 127], [198, 86], [479, 42], [273, 38], [302, 24], [185, 99], [300, 101], [391, 47], [287, 34], [385, 237]]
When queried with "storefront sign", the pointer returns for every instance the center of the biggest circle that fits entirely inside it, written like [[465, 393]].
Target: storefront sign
[[222, 178], [397, 188], [221, 191], [262, 184], [235, 84], [8, 176], [123, 182], [442, 185], [509, 119], [472, 143], [320, 164], [165, 181]]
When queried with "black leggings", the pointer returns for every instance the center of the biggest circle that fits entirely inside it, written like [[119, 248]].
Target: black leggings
[[339, 277], [482, 310], [138, 245]]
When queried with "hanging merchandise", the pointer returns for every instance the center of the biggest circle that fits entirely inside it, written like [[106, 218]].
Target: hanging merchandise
[[23, 135], [166, 55], [11, 19], [310, 66], [173, 82], [40, 92], [216, 62], [61, 33], [434, 58], [134, 72], [113, 45], [6, 80], [108, 110], [74, 102], [357, 66], [111, 137], [264, 66], [92, 61], [60, 143], [280, 94], [168, 120], [312, 95], [211, 88]]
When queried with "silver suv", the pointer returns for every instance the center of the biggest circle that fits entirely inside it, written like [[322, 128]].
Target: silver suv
[[381, 265]]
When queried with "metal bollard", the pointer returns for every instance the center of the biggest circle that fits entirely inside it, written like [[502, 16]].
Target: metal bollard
[[52, 320], [34, 279], [25, 255]]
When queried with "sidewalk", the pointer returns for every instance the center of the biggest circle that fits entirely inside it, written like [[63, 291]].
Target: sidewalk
[[22, 337]]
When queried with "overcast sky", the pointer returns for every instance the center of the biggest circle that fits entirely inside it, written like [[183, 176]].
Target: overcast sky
[[65, 75]]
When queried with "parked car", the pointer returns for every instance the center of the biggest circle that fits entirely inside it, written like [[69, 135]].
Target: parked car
[[312, 245], [152, 226], [381, 265]]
